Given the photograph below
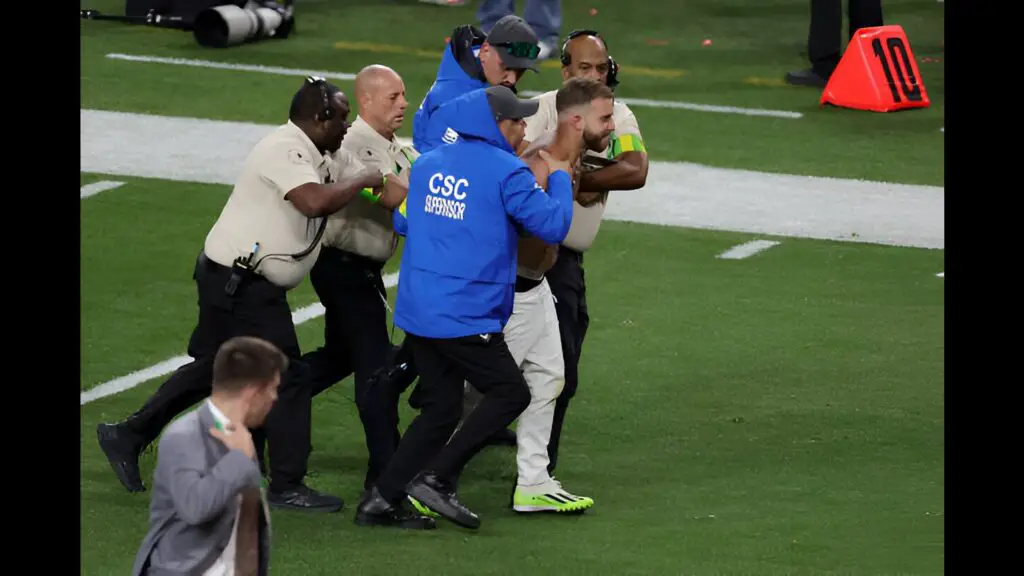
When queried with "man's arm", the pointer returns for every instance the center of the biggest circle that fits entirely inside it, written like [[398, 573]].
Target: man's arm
[[314, 199], [629, 173], [292, 173], [199, 494], [392, 193], [546, 215]]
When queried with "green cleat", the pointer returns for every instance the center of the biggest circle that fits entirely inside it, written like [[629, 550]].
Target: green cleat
[[548, 497]]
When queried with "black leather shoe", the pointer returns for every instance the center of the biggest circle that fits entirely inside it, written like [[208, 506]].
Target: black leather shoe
[[122, 449], [374, 510], [439, 496], [303, 497], [806, 77]]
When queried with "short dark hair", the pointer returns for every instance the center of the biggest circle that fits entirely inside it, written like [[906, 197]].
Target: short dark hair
[[308, 101], [579, 91], [246, 361]]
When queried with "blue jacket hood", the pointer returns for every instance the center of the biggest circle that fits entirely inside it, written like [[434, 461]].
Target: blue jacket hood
[[470, 115], [458, 73]]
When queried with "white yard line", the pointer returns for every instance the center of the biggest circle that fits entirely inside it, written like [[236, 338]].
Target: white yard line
[[941, 274], [129, 381], [676, 105], [664, 104], [747, 249], [676, 193], [97, 187], [232, 66]]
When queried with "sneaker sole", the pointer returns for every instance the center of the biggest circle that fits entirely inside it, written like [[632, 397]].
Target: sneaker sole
[[526, 508], [330, 508], [421, 524]]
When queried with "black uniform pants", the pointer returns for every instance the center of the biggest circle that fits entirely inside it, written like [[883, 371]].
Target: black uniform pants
[[258, 308], [824, 43], [569, 288], [444, 366], [351, 289]]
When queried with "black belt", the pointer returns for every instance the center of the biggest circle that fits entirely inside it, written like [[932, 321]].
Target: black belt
[[569, 253], [351, 257], [524, 284], [217, 269]]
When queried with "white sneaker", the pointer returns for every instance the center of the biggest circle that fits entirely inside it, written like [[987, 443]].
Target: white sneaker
[[547, 50], [548, 497]]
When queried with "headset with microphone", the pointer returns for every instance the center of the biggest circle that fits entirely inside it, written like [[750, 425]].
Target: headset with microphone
[[327, 112], [613, 68]]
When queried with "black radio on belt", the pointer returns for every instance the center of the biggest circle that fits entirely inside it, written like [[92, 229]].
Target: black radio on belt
[[241, 269]]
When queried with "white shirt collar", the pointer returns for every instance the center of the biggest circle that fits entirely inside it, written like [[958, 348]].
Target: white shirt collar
[[363, 127], [217, 414]]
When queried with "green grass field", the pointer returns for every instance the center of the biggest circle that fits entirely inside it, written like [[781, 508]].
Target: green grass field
[[781, 414]]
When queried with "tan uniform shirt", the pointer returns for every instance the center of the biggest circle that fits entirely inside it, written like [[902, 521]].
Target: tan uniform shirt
[[256, 211], [586, 220], [361, 227]]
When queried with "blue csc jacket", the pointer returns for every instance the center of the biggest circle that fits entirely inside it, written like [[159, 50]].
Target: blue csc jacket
[[461, 218], [458, 73]]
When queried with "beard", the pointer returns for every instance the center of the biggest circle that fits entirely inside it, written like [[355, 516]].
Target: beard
[[595, 142]]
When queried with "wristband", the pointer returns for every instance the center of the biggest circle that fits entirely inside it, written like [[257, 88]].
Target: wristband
[[369, 195], [368, 192]]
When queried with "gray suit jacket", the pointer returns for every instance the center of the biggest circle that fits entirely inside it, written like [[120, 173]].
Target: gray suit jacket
[[193, 506]]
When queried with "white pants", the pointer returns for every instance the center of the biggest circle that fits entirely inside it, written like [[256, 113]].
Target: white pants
[[533, 339]]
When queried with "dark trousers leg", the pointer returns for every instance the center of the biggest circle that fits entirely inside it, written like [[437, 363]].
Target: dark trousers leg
[[190, 383], [490, 368], [259, 309], [864, 14], [568, 285], [440, 401], [263, 311], [332, 362], [356, 340], [824, 41]]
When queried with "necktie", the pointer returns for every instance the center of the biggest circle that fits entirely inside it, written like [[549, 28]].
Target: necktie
[[247, 544]]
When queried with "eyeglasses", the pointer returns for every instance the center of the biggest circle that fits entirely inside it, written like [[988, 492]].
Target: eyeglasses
[[521, 49]]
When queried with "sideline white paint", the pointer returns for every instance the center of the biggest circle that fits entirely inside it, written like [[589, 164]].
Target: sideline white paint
[[97, 187], [747, 249], [941, 274], [129, 381], [675, 105], [676, 194], [665, 104], [232, 66]]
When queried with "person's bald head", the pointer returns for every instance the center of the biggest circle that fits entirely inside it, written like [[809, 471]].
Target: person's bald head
[[586, 56], [381, 96]]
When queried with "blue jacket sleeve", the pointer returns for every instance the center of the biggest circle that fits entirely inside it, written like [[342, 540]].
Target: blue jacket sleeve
[[420, 123], [401, 224], [546, 215]]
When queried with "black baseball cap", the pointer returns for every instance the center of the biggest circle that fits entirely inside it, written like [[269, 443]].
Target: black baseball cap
[[516, 43], [507, 106]]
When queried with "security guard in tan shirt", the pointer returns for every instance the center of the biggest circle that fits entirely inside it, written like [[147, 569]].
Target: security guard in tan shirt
[[347, 276], [264, 242], [584, 53]]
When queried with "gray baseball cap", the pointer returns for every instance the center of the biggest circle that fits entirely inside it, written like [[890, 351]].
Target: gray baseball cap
[[507, 106], [516, 43]]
